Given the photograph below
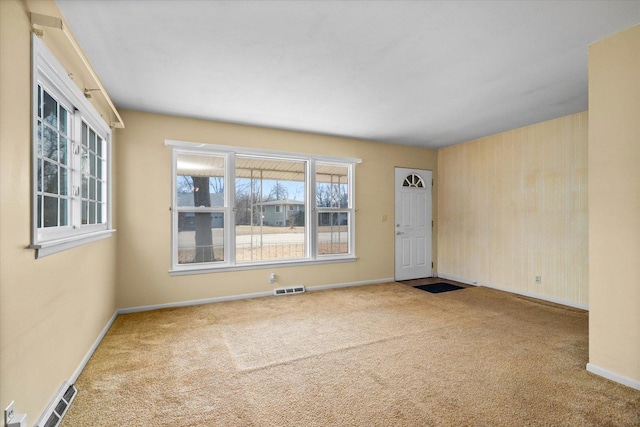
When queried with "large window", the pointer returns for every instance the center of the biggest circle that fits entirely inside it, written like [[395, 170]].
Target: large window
[[71, 151], [241, 208]]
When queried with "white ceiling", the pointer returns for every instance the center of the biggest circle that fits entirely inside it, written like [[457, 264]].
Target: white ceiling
[[428, 73]]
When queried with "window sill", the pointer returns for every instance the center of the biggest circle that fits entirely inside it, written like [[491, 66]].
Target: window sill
[[187, 270], [51, 247]]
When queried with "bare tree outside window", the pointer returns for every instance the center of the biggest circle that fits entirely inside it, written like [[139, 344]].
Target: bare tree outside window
[[200, 203], [204, 237], [278, 192], [265, 227], [269, 212], [52, 161], [332, 202]]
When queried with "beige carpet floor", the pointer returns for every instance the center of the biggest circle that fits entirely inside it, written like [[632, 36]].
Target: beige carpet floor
[[379, 355]]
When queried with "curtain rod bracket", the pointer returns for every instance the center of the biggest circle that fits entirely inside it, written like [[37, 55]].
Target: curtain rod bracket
[[57, 23], [46, 21]]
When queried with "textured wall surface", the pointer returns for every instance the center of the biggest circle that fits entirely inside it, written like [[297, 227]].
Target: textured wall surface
[[513, 206]]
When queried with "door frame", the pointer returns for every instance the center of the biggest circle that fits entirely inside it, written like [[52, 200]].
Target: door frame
[[427, 176]]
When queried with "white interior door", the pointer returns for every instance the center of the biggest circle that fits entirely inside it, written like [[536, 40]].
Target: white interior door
[[413, 218]]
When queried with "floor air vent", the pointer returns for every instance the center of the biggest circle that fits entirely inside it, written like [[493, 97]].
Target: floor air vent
[[53, 415], [287, 291]]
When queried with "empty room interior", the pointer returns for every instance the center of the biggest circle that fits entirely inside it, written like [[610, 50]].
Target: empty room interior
[[219, 213]]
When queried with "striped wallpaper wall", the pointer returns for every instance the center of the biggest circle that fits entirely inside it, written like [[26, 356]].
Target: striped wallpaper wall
[[513, 206]]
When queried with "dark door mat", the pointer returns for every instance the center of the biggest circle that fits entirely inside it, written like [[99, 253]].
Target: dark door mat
[[437, 288]]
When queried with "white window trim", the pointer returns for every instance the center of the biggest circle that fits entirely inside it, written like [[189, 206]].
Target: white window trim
[[48, 71], [292, 155], [351, 209], [230, 152]]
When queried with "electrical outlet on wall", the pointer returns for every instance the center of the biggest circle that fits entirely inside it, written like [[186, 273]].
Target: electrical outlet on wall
[[8, 413], [538, 279]]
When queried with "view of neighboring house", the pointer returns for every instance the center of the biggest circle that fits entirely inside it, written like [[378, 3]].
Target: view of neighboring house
[[283, 212], [278, 213]]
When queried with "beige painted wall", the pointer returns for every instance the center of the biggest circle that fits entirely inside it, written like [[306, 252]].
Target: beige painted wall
[[614, 204], [513, 206], [144, 195], [52, 309]]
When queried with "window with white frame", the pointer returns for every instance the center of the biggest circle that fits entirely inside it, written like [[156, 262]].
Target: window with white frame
[[227, 208], [71, 161], [332, 202]]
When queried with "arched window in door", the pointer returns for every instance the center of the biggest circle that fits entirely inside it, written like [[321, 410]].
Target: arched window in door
[[413, 181]]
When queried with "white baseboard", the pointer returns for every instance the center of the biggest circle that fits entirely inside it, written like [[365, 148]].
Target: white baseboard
[[457, 279], [349, 284], [241, 296], [192, 302], [104, 331], [84, 361], [93, 348], [629, 382], [515, 291], [590, 367]]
